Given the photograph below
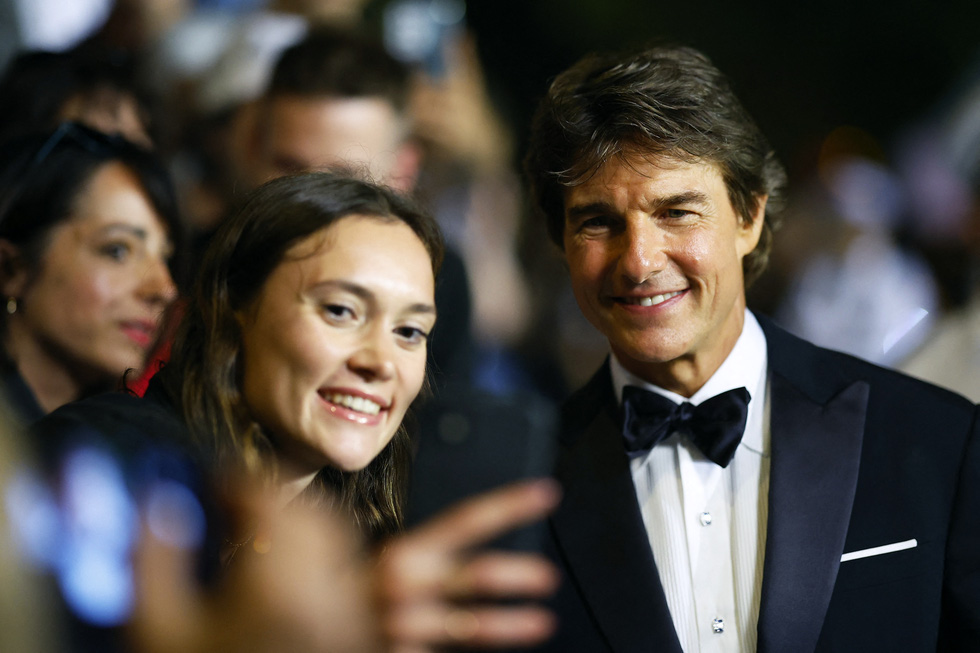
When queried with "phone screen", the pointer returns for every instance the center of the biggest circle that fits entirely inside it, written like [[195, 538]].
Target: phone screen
[[473, 441]]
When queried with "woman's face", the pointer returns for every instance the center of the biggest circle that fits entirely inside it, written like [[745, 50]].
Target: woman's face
[[96, 301], [334, 346]]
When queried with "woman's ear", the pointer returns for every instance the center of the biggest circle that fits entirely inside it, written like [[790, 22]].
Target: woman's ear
[[13, 270]]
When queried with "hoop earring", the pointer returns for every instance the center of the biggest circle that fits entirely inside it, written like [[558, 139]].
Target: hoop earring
[[11, 305]]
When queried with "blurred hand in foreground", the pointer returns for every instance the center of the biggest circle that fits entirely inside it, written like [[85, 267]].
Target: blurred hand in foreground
[[299, 583], [436, 590]]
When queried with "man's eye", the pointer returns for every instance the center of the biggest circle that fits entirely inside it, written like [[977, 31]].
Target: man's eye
[[677, 213], [595, 223]]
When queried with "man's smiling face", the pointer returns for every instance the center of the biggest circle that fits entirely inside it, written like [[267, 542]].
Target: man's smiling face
[[654, 250]]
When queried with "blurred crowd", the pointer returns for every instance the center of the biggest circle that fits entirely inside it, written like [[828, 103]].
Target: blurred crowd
[[169, 112]]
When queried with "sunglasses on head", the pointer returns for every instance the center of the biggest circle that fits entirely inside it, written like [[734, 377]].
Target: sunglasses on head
[[67, 136], [85, 137]]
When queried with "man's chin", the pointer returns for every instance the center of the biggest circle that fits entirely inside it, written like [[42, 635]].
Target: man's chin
[[647, 352]]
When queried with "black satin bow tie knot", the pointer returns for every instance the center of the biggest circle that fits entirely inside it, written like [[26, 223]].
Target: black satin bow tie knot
[[715, 426]]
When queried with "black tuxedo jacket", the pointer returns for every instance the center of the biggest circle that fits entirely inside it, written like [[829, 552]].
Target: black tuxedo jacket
[[861, 457]]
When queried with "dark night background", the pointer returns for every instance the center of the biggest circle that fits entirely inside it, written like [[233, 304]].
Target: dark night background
[[801, 69]]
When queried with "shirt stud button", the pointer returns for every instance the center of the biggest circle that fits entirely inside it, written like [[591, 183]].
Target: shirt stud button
[[718, 626], [705, 518]]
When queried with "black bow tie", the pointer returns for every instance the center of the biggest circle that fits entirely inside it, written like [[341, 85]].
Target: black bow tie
[[714, 426]]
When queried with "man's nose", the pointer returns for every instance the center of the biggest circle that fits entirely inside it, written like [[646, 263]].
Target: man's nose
[[643, 252]]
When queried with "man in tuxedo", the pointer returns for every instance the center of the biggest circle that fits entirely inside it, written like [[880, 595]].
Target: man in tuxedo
[[729, 487]]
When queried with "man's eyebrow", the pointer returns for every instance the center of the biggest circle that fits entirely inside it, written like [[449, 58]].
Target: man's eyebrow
[[580, 211], [687, 197]]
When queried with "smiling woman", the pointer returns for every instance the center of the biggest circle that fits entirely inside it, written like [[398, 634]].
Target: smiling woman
[[306, 340], [87, 229]]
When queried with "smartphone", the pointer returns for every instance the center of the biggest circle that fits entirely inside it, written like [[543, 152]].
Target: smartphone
[[472, 441]]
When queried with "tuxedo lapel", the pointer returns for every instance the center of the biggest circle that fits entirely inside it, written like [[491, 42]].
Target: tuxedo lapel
[[600, 531], [816, 451]]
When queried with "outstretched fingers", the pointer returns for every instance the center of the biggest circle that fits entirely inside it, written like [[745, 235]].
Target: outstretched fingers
[[436, 589], [486, 516]]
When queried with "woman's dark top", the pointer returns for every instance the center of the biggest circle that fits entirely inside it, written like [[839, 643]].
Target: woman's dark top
[[125, 422], [20, 398]]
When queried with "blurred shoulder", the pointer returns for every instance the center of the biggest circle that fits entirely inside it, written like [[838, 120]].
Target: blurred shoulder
[[821, 373], [120, 421]]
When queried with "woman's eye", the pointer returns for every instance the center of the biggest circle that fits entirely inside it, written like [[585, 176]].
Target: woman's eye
[[116, 251], [412, 335], [338, 311]]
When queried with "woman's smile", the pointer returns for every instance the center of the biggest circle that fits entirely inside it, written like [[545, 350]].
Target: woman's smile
[[354, 406]]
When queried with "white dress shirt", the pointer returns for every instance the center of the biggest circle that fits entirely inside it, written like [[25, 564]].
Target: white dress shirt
[[707, 524]]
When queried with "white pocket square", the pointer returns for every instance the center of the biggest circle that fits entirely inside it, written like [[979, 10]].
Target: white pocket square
[[879, 550]]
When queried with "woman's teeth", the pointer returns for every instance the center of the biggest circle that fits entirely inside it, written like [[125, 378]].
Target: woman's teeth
[[359, 404]]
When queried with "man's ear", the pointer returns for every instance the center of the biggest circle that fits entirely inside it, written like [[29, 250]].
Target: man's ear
[[13, 270], [406, 167], [750, 232]]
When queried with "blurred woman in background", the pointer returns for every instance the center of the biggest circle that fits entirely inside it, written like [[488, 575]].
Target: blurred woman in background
[[88, 225]]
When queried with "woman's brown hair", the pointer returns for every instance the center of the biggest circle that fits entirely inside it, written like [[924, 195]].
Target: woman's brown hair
[[204, 373]]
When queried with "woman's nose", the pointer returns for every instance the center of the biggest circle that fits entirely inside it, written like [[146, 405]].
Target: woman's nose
[[373, 358], [157, 286]]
